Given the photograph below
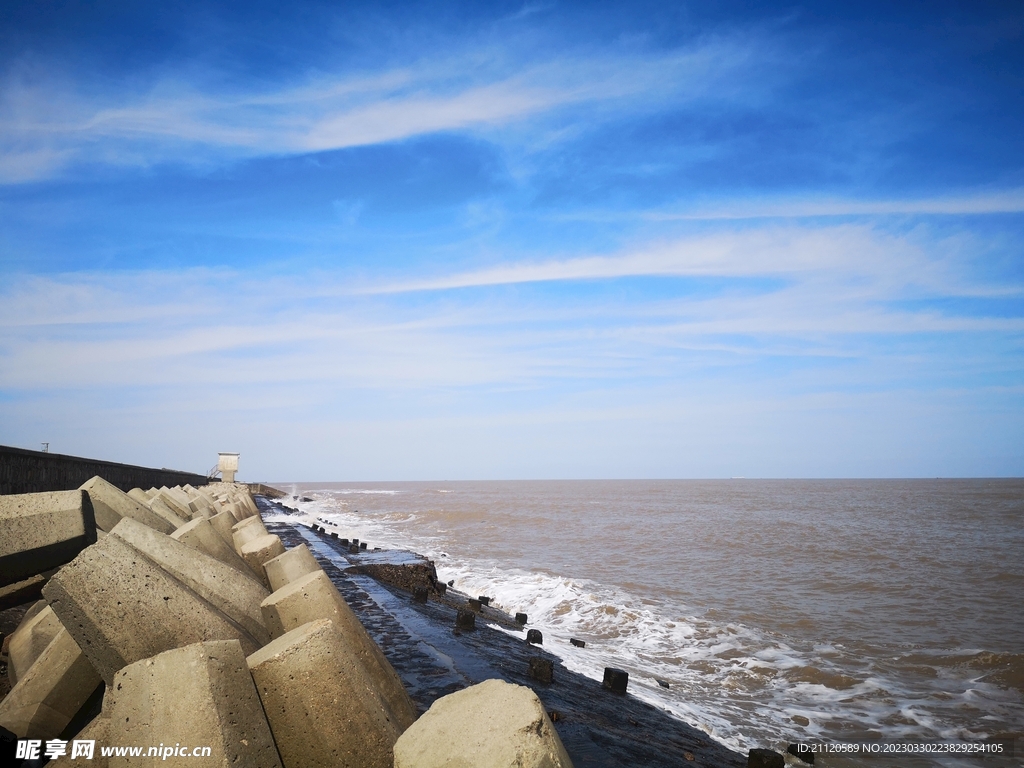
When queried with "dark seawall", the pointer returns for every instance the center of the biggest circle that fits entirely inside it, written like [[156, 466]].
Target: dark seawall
[[23, 471]]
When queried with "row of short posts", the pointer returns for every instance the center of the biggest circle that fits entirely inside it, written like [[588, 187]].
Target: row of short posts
[[354, 545], [769, 758], [540, 669]]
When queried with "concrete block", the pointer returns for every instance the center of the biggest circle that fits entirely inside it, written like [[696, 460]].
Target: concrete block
[[293, 564], [765, 758], [25, 591], [487, 725], [802, 752], [314, 597], [200, 534], [29, 640], [257, 521], [42, 531], [139, 495], [541, 669], [208, 500], [245, 531], [159, 507], [260, 550], [178, 495], [249, 502], [51, 692], [120, 607], [110, 504], [96, 730], [199, 695], [180, 509], [239, 512], [237, 596], [615, 680], [308, 678], [222, 522]]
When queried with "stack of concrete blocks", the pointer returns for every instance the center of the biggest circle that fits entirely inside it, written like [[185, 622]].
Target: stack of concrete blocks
[[204, 629]]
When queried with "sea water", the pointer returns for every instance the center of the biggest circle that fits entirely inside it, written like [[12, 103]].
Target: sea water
[[776, 611]]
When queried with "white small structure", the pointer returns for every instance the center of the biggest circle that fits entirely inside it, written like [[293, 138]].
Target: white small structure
[[227, 463]]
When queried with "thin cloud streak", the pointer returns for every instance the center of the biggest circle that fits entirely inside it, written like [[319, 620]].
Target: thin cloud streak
[[45, 127], [845, 252], [967, 204], [1005, 201], [211, 328]]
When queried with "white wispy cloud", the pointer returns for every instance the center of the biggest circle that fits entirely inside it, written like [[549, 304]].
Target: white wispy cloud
[[45, 126], [846, 251], [212, 328], [999, 201]]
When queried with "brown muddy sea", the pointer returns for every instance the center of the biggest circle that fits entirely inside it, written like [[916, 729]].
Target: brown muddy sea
[[776, 610]]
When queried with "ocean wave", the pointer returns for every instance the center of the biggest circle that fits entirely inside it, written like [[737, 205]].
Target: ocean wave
[[742, 684]]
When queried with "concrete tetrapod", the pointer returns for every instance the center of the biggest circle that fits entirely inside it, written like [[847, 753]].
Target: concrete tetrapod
[[160, 507], [222, 523], [29, 640], [51, 692], [247, 530], [198, 696], [293, 564], [490, 725], [98, 731], [314, 597], [180, 499], [200, 534], [261, 549], [139, 495], [25, 591], [120, 607], [179, 509], [240, 512], [219, 584], [110, 504], [322, 708], [42, 531]]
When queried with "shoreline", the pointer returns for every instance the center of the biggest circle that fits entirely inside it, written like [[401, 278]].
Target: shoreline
[[598, 728]]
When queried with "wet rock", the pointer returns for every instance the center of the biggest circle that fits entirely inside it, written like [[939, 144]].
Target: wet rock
[[408, 574], [577, 643], [663, 683]]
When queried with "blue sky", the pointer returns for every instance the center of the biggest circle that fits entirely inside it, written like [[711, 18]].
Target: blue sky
[[463, 241]]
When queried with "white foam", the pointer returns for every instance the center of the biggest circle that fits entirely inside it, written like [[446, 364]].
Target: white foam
[[738, 683]]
